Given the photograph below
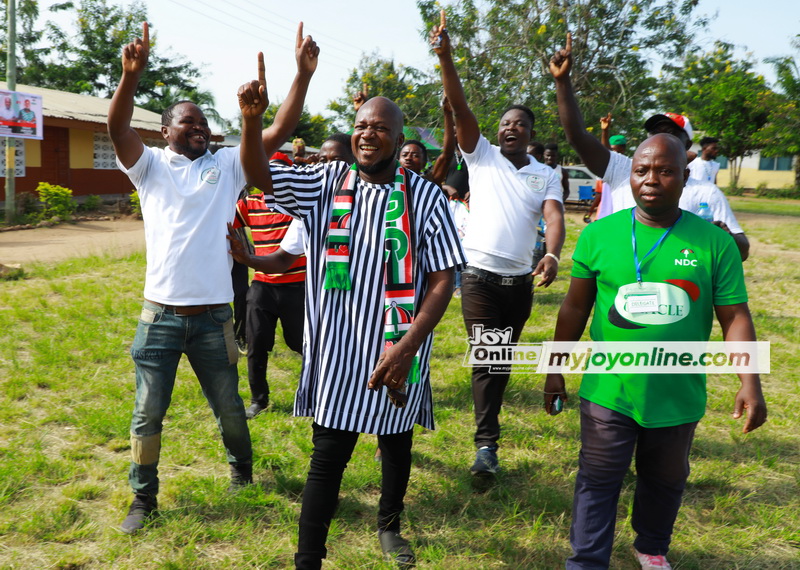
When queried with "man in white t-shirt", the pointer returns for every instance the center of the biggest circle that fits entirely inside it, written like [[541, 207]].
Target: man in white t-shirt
[[615, 169], [705, 167], [188, 196], [509, 193]]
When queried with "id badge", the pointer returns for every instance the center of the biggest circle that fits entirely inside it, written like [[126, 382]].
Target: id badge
[[642, 301]]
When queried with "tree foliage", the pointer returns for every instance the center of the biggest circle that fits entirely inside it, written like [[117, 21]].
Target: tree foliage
[[723, 97], [502, 49], [87, 59], [410, 88], [781, 135]]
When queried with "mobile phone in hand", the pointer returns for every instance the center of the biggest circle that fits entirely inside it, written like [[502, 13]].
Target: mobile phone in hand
[[556, 406]]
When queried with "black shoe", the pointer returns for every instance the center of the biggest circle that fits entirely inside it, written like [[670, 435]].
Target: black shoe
[[254, 409], [142, 509], [241, 476], [396, 549]]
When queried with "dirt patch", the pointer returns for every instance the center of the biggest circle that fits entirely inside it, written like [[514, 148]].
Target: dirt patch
[[67, 240]]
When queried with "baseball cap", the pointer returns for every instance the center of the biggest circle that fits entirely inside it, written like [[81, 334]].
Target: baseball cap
[[680, 120], [617, 140]]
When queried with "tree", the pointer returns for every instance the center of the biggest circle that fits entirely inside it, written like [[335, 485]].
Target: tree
[[781, 135], [723, 97], [502, 48], [88, 61], [410, 88], [313, 129]]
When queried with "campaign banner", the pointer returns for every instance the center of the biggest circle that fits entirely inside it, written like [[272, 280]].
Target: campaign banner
[[21, 115]]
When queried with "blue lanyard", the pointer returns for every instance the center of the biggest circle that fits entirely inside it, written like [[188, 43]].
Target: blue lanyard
[[652, 249]]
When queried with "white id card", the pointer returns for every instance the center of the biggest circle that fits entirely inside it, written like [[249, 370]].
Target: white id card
[[642, 302]]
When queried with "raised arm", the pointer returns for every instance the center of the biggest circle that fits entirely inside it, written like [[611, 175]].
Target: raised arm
[[286, 119], [737, 325], [593, 154], [605, 131], [127, 143], [466, 123], [442, 164], [253, 102]]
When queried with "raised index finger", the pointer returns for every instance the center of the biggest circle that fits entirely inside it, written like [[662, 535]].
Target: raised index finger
[[299, 38], [262, 75], [146, 34], [442, 19], [569, 42]]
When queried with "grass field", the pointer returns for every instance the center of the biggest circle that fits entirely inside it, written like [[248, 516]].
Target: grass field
[[66, 393]]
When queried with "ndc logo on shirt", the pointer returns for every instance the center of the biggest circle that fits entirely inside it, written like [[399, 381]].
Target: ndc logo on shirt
[[689, 259], [535, 182], [210, 175]]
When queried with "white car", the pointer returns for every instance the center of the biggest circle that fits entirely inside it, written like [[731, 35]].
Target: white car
[[581, 184]]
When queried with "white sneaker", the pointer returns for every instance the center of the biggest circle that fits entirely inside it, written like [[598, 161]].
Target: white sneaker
[[652, 561]]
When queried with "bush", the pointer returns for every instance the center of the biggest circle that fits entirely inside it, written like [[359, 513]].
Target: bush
[[57, 201], [732, 190], [91, 203], [786, 192], [136, 206]]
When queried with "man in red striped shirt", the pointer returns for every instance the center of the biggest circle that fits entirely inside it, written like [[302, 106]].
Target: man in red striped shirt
[[271, 297]]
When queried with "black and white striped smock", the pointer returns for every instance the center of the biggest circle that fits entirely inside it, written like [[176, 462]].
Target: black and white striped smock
[[343, 336]]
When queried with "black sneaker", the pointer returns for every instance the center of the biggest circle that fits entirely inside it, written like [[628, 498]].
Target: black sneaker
[[142, 509], [254, 409], [241, 476], [396, 549], [485, 461]]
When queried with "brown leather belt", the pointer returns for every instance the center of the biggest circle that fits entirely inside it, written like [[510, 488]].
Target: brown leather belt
[[187, 310]]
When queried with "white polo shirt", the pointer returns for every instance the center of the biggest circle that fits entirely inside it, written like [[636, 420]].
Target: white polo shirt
[[618, 177], [703, 170], [504, 208], [186, 205]]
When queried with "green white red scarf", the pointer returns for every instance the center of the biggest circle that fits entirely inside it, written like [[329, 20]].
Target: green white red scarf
[[399, 255]]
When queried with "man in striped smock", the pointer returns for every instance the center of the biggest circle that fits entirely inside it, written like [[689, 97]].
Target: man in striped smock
[[382, 248]]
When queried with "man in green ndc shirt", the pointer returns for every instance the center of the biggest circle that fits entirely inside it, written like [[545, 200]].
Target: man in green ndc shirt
[[654, 414]]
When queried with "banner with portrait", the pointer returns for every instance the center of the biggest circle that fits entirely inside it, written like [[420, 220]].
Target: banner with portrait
[[21, 115]]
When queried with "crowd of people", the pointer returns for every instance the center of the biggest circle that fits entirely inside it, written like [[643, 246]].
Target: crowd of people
[[358, 250]]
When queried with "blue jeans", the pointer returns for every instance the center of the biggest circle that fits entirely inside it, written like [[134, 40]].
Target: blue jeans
[[207, 340], [609, 440]]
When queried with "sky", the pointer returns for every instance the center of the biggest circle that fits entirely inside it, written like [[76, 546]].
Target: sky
[[223, 38]]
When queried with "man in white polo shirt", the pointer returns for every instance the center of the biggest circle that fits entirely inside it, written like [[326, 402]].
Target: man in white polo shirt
[[510, 191], [188, 196]]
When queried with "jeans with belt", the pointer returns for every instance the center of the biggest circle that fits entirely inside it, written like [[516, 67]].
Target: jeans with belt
[[495, 306], [162, 336]]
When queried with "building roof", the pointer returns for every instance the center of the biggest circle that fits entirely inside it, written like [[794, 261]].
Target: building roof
[[87, 108]]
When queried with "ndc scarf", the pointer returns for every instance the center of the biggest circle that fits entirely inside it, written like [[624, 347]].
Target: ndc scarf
[[399, 255]]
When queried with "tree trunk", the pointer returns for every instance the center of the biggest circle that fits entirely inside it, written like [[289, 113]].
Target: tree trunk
[[797, 172]]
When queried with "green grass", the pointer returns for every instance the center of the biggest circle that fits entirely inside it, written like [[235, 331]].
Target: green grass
[[66, 393], [751, 205]]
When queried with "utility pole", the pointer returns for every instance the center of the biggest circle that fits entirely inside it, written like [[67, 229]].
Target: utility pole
[[11, 80]]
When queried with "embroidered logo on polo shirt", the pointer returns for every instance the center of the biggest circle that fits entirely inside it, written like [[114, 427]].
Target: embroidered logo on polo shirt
[[535, 182], [210, 175]]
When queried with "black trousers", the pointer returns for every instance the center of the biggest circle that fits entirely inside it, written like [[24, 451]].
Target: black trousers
[[332, 451], [495, 307], [239, 277], [609, 440], [266, 304]]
